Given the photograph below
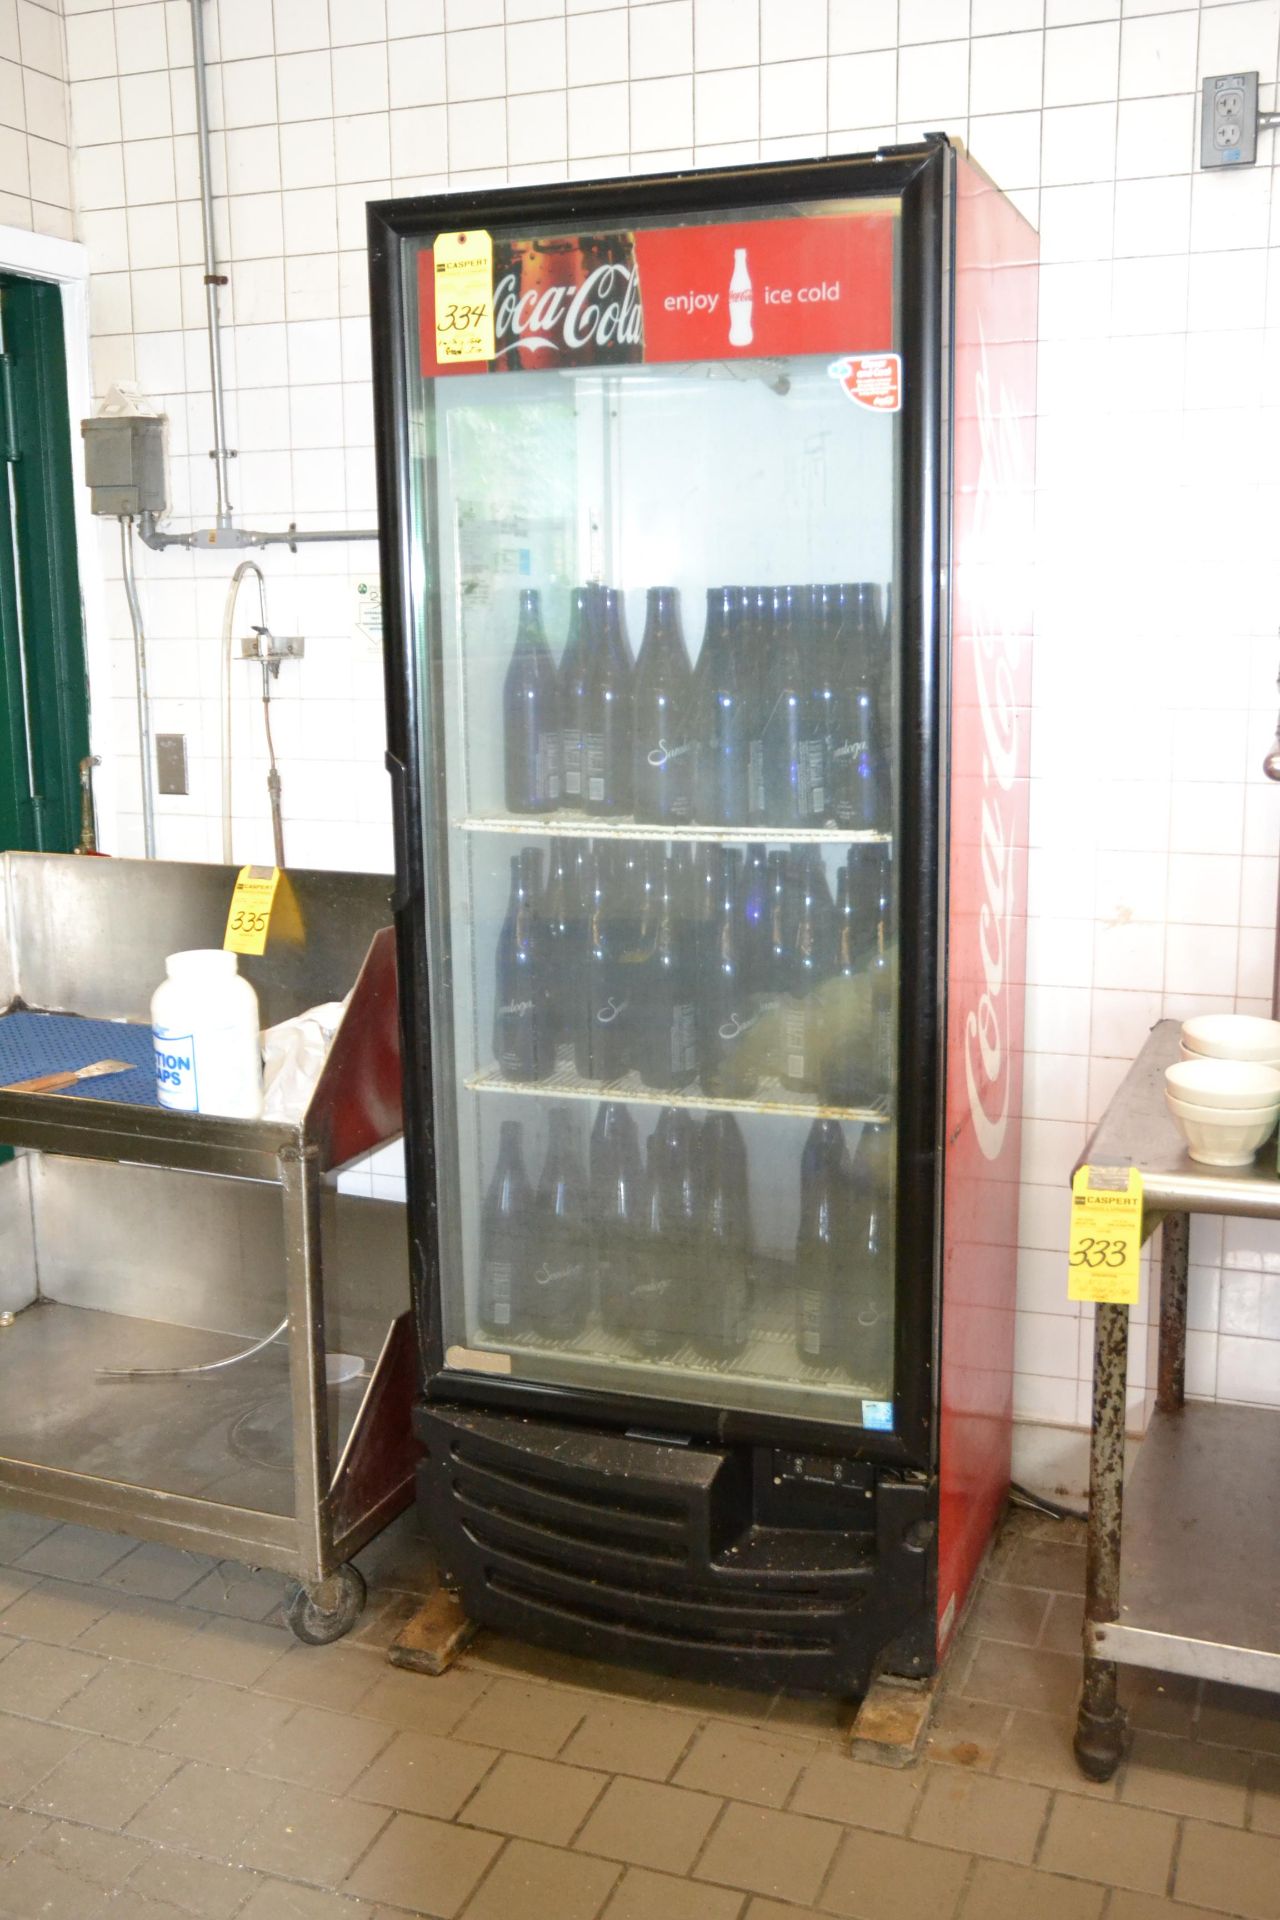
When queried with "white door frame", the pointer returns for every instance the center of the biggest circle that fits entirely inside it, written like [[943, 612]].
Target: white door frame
[[39, 256]]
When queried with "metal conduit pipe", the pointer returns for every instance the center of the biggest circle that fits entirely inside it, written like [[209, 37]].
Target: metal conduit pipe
[[223, 533], [140, 686]]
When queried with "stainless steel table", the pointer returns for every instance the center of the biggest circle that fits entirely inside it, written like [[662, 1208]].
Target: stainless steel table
[[1183, 1565]]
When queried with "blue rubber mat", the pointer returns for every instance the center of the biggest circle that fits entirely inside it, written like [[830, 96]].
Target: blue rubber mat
[[32, 1043]]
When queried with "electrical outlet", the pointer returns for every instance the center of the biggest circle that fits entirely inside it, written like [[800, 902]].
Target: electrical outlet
[[1229, 120]]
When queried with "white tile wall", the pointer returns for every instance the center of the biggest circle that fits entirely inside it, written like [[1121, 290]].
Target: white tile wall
[[1153, 866]]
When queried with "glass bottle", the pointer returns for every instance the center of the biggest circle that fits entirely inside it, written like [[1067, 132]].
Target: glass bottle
[[662, 734], [606, 749], [523, 1019], [531, 717], [722, 769], [558, 1294], [821, 1276], [505, 1240]]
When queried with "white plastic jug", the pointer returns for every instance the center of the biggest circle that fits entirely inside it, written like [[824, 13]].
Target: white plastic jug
[[208, 1051]]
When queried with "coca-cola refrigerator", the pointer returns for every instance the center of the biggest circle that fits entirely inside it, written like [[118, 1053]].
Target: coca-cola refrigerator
[[706, 531]]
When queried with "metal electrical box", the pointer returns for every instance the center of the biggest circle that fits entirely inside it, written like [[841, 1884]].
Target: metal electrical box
[[125, 463]]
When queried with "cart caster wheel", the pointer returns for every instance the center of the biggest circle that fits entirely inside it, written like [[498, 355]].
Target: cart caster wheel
[[321, 1614]]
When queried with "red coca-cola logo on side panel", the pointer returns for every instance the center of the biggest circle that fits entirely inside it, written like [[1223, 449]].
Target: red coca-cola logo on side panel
[[751, 288]]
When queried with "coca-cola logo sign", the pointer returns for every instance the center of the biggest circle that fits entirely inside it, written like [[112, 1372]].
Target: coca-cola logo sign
[[563, 321], [987, 1040]]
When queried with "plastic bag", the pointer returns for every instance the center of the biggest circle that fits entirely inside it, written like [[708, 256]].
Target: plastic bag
[[292, 1055]]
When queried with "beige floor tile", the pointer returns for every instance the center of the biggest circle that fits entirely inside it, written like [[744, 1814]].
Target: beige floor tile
[[1159, 1702], [523, 1718], [136, 1628], [743, 1763], [999, 1891], [534, 1799], [76, 1553], [533, 1880], [858, 1793], [1046, 1563], [326, 1751], [238, 1652], [1235, 1717], [1264, 1807], [32, 1885], [18, 1829], [521, 1660], [643, 1895], [206, 1810], [1031, 1677], [1236, 1872], [1187, 1777], [1064, 1624], [278, 1900], [649, 1826], [980, 1813], [775, 1910], [1118, 1846], [1013, 1614], [424, 1703], [879, 1877], [784, 1855], [37, 1679], [232, 1589], [29, 1751], [826, 1720], [1037, 1747], [966, 1733], [336, 1677], [311, 1836], [424, 1773], [1153, 1906], [205, 1889], [125, 1700], [103, 1783], [715, 1703], [157, 1572], [623, 1736], [19, 1533], [423, 1865], [56, 1611], [102, 1859], [219, 1724]]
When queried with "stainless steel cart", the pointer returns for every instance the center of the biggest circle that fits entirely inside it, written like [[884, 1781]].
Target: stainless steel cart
[[119, 1250], [1183, 1568]]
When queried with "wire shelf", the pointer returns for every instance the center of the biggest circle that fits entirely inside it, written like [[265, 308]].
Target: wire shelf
[[771, 1096], [583, 826]]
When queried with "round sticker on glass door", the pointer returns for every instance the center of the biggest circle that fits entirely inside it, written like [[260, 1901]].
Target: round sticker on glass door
[[871, 380]]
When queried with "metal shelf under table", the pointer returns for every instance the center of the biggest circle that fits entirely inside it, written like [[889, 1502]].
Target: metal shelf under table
[[1183, 1564]]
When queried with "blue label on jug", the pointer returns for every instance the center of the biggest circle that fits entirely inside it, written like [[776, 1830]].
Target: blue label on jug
[[878, 1414], [176, 1082]]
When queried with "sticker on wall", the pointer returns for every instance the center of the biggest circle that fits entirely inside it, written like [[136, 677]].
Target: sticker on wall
[[871, 380], [367, 609]]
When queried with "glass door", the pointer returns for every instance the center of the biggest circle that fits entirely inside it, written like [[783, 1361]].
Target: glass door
[[654, 540]]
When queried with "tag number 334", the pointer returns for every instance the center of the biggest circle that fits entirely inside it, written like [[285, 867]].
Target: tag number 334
[[1099, 1253]]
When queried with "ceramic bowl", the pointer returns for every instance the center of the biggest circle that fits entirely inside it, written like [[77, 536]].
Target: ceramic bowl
[[1233, 1036], [1221, 1137], [1230, 1084]]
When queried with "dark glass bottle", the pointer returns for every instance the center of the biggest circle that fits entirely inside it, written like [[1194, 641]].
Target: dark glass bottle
[[728, 1053], [531, 717], [822, 1252], [813, 962], [558, 1293], [506, 1220], [523, 1019], [723, 721], [755, 917], [662, 731], [664, 1042], [871, 1320], [787, 731], [585, 612], [616, 1204], [564, 912], [602, 1039], [606, 748], [857, 746], [722, 1277], [755, 653], [661, 1271]]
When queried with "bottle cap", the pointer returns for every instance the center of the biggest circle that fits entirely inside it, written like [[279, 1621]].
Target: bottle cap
[[201, 963]]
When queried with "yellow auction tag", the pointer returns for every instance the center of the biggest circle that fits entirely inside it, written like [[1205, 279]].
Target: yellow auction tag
[[250, 915], [464, 296], [1105, 1244]]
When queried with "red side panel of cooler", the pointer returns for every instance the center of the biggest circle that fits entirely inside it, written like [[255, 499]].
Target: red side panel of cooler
[[996, 272]]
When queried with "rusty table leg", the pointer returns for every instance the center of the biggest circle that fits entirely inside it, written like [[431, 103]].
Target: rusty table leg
[[1100, 1726], [1175, 1240]]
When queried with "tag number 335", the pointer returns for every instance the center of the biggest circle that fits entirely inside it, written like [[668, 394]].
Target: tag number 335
[[245, 920], [1099, 1253]]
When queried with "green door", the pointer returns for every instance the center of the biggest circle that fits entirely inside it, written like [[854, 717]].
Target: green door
[[44, 703]]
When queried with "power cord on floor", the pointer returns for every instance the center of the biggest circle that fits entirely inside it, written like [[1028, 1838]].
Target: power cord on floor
[[1040, 1503]]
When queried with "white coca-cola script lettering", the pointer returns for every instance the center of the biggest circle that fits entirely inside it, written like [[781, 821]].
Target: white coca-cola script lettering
[[604, 309], [987, 1064]]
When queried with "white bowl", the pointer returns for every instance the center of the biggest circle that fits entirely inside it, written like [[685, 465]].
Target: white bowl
[[1233, 1036], [1207, 1082], [1217, 1137]]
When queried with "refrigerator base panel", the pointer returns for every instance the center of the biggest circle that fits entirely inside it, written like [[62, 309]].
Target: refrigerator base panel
[[747, 1566]]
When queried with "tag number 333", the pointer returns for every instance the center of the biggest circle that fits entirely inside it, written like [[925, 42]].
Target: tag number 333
[[1099, 1253]]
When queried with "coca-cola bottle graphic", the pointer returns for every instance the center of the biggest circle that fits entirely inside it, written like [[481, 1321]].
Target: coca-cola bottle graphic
[[721, 1277], [871, 1318], [741, 333], [664, 1050], [565, 917], [813, 961], [822, 1252], [558, 1291], [531, 717], [616, 1203], [856, 747], [523, 1021], [722, 715], [788, 748], [506, 1220], [728, 1057], [606, 740], [586, 610], [662, 738]]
